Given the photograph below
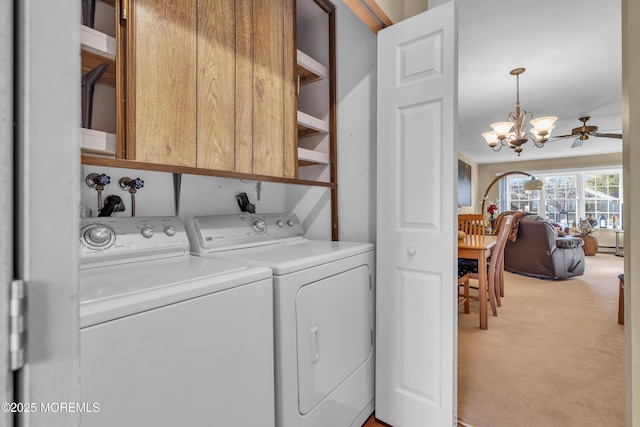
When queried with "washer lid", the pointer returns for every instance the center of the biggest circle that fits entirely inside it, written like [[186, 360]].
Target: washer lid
[[107, 293], [288, 257]]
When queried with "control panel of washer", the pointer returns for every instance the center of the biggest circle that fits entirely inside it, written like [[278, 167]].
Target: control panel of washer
[[120, 239], [217, 232]]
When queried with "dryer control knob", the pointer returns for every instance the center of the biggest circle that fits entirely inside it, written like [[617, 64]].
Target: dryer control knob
[[98, 236], [258, 225], [280, 223], [290, 223], [170, 230], [147, 232]]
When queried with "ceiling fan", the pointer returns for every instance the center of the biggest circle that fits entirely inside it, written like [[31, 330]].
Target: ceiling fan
[[583, 132]]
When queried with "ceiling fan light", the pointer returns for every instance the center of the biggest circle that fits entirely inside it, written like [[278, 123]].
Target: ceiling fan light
[[491, 138], [543, 124], [502, 129]]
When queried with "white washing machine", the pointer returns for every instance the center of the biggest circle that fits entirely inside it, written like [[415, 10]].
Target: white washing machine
[[324, 313], [168, 339]]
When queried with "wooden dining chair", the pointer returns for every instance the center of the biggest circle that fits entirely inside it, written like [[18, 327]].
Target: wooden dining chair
[[463, 280], [494, 265], [471, 223]]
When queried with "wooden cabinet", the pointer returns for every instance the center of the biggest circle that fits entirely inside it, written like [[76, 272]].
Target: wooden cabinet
[[210, 85], [98, 46]]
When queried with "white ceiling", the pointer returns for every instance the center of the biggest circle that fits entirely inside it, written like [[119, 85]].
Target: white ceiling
[[572, 52]]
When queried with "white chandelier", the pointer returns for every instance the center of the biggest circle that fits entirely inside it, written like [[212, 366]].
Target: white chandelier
[[512, 132]]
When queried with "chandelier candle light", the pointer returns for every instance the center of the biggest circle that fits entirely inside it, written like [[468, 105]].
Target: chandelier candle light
[[512, 132]]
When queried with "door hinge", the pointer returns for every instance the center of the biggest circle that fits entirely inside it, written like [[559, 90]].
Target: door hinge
[[17, 323], [124, 6]]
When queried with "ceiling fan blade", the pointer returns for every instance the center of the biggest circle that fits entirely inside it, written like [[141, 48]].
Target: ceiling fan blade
[[562, 136], [608, 135], [577, 143]]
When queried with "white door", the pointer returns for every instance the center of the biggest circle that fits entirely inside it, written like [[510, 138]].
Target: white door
[[6, 200], [416, 355], [47, 171]]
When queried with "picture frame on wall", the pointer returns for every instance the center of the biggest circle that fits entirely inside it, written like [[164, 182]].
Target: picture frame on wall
[[464, 184]]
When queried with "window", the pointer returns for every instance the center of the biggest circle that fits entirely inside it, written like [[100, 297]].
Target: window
[[561, 199], [602, 197], [520, 199], [568, 196]]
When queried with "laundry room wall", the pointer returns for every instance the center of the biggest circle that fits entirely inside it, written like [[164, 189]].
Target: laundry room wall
[[356, 107], [199, 195]]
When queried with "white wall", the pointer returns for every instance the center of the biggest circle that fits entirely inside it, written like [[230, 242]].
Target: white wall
[[357, 80], [356, 110], [399, 10], [475, 191], [199, 195]]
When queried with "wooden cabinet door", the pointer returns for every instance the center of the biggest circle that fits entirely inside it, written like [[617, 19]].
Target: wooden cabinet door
[[216, 98], [161, 99], [265, 91], [213, 85]]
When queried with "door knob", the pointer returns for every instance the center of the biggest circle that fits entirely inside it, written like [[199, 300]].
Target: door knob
[[411, 251]]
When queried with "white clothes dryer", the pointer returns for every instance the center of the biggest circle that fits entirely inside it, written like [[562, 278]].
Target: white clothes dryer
[[323, 308], [168, 339]]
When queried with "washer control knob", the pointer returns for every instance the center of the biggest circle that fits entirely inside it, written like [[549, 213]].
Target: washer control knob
[[170, 230], [280, 223], [147, 232], [290, 223], [98, 236], [258, 225]]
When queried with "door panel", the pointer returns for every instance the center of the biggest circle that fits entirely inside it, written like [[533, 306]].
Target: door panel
[[47, 148], [161, 60], [216, 84], [418, 327], [6, 198], [418, 185], [416, 294]]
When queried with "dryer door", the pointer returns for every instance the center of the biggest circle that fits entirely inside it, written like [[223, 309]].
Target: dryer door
[[334, 333]]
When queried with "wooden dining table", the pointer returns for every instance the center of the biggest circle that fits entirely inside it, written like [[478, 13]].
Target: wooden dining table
[[475, 246]]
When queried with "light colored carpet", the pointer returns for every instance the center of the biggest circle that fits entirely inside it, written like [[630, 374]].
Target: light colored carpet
[[554, 356]]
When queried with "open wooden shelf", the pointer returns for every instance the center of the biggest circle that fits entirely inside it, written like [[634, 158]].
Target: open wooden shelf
[[99, 43], [98, 142], [98, 48], [309, 69], [133, 164], [308, 157], [309, 125]]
